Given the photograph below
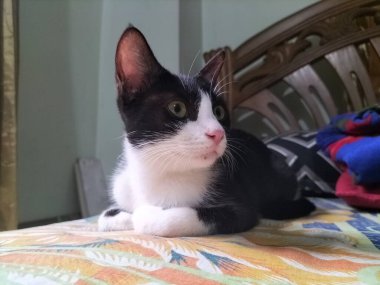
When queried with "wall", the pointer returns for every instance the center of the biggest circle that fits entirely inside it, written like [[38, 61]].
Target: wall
[[226, 22], [190, 17], [160, 24], [57, 103]]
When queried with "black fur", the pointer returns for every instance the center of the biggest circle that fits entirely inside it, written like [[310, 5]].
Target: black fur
[[260, 186], [112, 212]]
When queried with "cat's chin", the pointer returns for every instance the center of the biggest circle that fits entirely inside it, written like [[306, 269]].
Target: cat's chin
[[209, 156], [206, 160]]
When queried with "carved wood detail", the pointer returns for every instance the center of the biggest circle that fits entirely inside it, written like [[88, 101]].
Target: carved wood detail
[[333, 33], [286, 51], [354, 76], [374, 66], [261, 103], [305, 80]]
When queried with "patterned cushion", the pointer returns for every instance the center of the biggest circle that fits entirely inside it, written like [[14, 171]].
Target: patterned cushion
[[316, 173]]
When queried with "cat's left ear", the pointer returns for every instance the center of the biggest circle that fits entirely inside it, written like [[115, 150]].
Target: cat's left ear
[[211, 70], [136, 65]]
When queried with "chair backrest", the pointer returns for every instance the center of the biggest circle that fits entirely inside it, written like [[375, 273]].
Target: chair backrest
[[303, 70]]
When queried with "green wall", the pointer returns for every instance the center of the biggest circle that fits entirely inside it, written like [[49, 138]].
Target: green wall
[[57, 103], [226, 22], [160, 24], [190, 19]]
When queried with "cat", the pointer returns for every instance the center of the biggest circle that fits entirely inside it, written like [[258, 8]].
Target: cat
[[184, 171]]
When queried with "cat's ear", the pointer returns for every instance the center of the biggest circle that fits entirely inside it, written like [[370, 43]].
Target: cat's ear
[[211, 70], [136, 65]]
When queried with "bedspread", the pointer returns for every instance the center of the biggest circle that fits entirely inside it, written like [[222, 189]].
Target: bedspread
[[335, 245]]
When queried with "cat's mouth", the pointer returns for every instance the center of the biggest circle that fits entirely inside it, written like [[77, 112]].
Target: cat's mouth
[[210, 154]]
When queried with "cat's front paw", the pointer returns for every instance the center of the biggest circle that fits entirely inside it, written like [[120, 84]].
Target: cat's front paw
[[171, 222], [115, 220], [146, 220]]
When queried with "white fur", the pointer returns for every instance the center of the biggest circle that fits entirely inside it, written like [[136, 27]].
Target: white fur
[[172, 174], [169, 223], [120, 222]]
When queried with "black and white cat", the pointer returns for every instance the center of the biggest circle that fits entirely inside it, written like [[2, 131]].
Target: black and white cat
[[184, 172]]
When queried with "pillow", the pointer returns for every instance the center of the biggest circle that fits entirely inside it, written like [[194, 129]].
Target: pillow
[[316, 173]]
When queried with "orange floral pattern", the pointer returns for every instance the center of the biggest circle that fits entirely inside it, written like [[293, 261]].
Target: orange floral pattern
[[335, 245]]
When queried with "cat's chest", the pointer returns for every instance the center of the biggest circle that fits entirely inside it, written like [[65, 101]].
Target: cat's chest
[[139, 181], [170, 190]]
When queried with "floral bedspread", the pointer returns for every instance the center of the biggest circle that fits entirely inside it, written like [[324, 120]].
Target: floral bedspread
[[336, 245]]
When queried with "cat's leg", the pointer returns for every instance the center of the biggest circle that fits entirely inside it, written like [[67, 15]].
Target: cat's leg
[[115, 219], [171, 222]]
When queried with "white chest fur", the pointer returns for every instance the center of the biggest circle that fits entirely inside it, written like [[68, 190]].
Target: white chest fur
[[136, 184]]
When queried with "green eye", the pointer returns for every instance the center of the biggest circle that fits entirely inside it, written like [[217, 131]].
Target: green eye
[[178, 109], [219, 113]]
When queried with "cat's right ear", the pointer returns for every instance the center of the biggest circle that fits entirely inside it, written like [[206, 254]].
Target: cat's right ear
[[136, 65], [211, 70]]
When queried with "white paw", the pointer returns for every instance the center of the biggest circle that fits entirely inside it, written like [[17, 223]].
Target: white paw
[[120, 222], [172, 222], [146, 220]]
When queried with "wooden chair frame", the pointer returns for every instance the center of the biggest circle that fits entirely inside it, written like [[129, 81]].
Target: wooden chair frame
[[346, 34]]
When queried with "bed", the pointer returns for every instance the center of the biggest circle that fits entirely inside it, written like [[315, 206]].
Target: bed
[[291, 78], [336, 245]]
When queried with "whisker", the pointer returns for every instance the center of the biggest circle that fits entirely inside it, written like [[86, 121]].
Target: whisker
[[221, 80], [212, 81], [195, 58], [183, 84], [229, 160], [224, 85], [236, 150], [221, 93], [120, 137]]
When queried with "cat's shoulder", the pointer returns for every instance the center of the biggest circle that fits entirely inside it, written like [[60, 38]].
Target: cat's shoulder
[[244, 139]]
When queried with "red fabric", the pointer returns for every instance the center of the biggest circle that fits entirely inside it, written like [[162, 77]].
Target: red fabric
[[357, 195], [357, 127], [335, 147]]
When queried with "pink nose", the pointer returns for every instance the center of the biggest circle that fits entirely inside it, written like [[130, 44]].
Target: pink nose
[[216, 135]]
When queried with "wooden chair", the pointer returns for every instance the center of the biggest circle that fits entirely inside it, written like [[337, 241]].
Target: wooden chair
[[301, 71]]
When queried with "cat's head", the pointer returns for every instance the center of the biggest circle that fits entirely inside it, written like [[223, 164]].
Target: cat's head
[[171, 119]]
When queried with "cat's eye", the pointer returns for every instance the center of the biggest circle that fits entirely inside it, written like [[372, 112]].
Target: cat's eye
[[178, 109], [219, 113]]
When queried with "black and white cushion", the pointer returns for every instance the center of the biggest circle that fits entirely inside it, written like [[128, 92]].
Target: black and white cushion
[[316, 173]]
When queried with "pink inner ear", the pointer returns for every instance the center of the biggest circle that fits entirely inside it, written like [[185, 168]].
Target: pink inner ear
[[132, 71], [130, 61]]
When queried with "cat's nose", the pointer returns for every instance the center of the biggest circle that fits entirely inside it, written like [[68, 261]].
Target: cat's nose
[[216, 135]]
